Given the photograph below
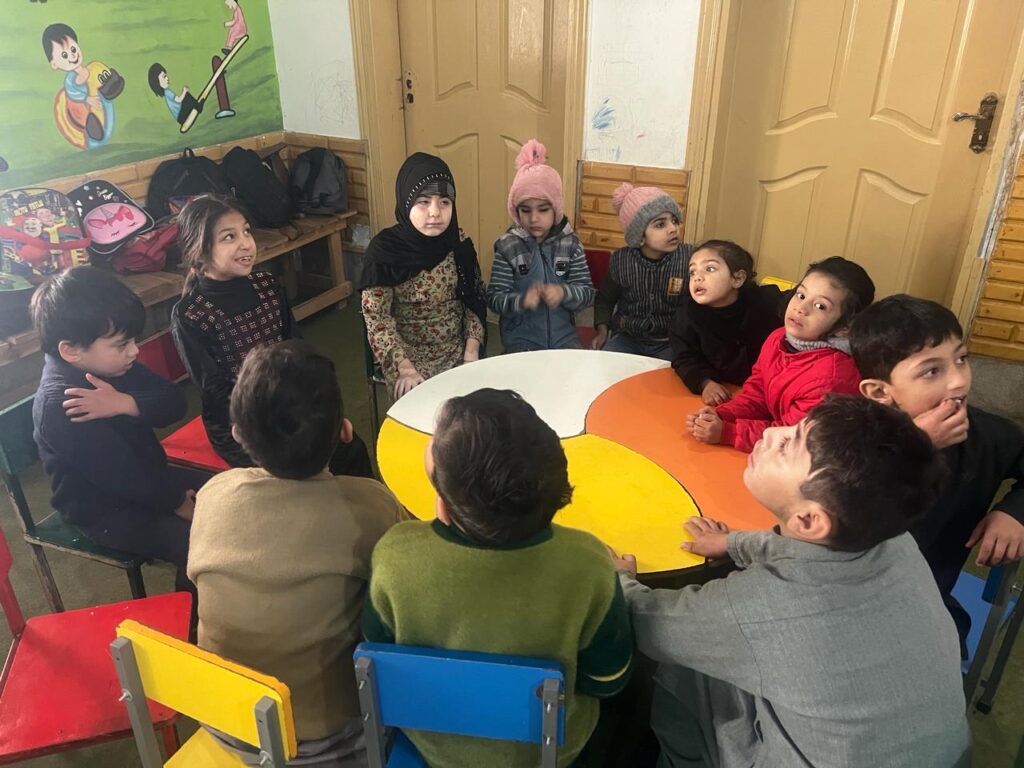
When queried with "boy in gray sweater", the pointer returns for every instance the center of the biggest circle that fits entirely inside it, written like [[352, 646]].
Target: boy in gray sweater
[[830, 646]]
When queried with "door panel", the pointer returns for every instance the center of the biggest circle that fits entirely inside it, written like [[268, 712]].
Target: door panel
[[839, 136], [486, 76]]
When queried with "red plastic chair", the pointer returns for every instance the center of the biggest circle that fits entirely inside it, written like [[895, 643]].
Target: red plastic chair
[[159, 354], [597, 263], [58, 689], [190, 447]]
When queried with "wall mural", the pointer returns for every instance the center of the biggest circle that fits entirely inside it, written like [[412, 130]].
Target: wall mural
[[115, 84]]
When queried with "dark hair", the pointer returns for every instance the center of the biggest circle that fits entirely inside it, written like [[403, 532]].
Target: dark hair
[[734, 256], [154, 78], [890, 331], [56, 33], [286, 406], [83, 304], [872, 469], [860, 290], [499, 468], [195, 231]]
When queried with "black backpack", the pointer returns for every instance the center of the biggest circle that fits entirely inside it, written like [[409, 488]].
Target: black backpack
[[319, 183], [258, 187], [174, 181]]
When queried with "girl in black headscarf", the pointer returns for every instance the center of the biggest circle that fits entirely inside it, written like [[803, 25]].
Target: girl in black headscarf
[[422, 294]]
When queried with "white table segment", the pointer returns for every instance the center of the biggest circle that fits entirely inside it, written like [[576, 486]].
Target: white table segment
[[561, 384]]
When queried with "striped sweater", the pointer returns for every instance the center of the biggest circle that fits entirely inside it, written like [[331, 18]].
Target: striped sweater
[[640, 296], [519, 262]]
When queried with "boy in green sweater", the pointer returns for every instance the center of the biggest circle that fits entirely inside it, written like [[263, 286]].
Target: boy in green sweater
[[492, 574]]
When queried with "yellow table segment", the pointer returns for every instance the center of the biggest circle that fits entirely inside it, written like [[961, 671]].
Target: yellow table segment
[[621, 497]]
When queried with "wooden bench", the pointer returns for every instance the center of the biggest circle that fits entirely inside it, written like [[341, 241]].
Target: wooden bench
[[154, 288]]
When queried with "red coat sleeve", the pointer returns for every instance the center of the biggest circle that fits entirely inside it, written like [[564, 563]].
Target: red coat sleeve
[[837, 373]]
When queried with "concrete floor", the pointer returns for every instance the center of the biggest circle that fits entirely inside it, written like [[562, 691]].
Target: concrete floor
[[997, 735]]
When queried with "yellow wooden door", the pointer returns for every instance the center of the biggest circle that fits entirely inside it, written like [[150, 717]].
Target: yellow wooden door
[[838, 136], [481, 77]]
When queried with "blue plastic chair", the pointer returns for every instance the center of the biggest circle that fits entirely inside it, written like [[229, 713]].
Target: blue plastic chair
[[510, 698], [992, 605]]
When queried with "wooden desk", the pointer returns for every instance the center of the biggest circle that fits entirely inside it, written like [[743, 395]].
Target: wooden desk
[[637, 473]]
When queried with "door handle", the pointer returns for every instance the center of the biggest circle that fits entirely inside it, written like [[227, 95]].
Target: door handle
[[982, 121]]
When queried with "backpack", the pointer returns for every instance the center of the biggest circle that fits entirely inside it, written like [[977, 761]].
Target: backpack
[[177, 180], [110, 218], [319, 182], [149, 251], [40, 233], [258, 187]]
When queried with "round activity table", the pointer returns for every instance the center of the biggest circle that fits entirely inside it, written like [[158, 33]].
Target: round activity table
[[637, 473]]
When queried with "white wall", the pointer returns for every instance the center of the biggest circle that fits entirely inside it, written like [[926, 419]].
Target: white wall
[[315, 66], [639, 80]]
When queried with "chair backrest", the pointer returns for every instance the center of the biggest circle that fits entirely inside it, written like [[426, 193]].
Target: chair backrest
[[597, 263], [8, 600], [784, 285], [460, 692], [204, 686], [18, 449]]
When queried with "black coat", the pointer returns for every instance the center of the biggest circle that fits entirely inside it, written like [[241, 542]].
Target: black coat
[[722, 344]]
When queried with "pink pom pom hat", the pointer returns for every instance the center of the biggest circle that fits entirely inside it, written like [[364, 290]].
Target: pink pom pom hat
[[534, 178], [636, 207]]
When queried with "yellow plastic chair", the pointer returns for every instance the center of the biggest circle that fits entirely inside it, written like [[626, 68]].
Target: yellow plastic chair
[[236, 700], [784, 285]]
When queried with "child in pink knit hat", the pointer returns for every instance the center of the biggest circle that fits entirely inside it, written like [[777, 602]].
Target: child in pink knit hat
[[646, 279], [539, 278]]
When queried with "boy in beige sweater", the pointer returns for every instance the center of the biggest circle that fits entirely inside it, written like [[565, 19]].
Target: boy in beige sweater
[[280, 553]]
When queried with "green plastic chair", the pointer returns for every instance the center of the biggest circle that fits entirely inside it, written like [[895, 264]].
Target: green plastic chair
[[18, 452]]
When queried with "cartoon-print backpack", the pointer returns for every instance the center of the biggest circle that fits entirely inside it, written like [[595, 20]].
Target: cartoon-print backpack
[[109, 216], [40, 233]]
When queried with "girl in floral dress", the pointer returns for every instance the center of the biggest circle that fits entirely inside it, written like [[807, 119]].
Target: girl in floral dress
[[423, 297]]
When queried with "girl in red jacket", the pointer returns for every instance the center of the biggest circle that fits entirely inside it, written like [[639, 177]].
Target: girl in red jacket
[[799, 363]]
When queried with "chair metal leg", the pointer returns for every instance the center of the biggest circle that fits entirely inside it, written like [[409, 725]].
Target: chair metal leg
[[371, 387], [134, 698], [138, 586], [42, 565], [268, 726], [169, 734], [369, 703], [549, 724], [988, 636], [991, 683]]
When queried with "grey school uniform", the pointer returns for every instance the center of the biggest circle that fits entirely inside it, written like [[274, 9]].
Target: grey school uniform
[[806, 657]]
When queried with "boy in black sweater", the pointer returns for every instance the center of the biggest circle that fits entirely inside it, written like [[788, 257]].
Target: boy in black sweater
[[94, 415], [719, 329], [911, 355]]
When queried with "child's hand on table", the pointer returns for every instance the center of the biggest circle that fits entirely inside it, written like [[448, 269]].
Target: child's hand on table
[[532, 297], [102, 402], [625, 564], [601, 338], [1001, 537], [709, 537], [714, 393], [705, 425]]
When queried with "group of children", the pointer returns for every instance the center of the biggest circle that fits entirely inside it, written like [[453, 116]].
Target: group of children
[[829, 645]]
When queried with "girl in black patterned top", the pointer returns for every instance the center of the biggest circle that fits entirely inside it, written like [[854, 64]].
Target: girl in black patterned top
[[225, 311]]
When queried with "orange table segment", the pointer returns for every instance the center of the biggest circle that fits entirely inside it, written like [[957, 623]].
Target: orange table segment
[[621, 497], [647, 413]]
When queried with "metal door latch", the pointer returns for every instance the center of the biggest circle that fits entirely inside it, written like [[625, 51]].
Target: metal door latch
[[982, 121]]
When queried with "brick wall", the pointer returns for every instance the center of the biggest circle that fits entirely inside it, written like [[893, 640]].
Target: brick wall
[[596, 222], [998, 327]]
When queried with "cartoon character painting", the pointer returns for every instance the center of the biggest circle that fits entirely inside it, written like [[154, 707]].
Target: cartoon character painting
[[180, 105], [236, 26], [83, 109]]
